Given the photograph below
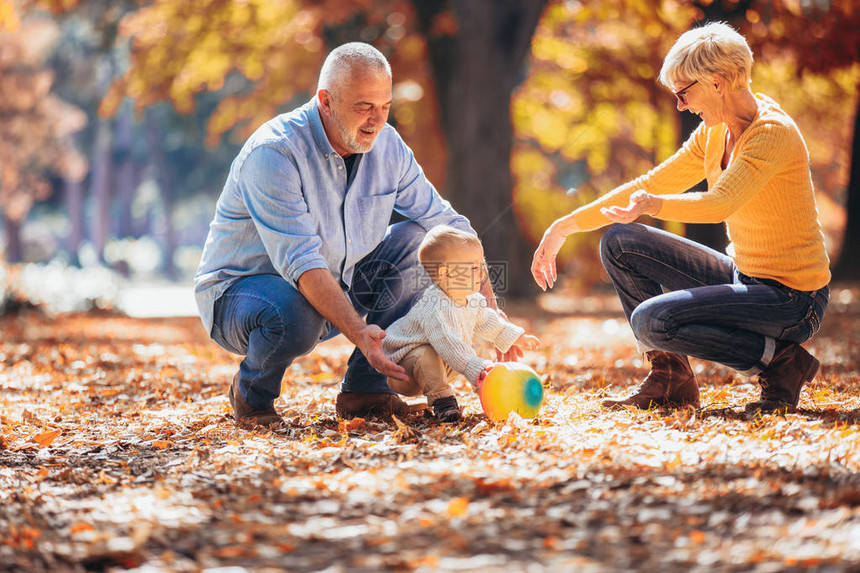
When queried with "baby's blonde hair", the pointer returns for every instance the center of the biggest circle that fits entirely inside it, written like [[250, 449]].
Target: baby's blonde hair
[[701, 52], [436, 244]]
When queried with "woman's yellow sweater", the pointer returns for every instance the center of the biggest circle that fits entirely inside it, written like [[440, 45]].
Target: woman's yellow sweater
[[764, 195]]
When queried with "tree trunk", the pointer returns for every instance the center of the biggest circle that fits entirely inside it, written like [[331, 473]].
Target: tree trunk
[[100, 186], [848, 265], [74, 195], [709, 234], [12, 238], [476, 70], [154, 138], [125, 172]]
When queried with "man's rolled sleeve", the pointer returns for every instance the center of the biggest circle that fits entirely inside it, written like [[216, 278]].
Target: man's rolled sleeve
[[303, 265]]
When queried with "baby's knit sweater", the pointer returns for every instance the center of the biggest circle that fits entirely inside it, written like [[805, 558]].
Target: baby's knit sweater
[[449, 328], [764, 195]]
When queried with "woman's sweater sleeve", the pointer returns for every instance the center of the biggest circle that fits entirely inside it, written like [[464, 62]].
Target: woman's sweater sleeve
[[766, 149], [675, 175]]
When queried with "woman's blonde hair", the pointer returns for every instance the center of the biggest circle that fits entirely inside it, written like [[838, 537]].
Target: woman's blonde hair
[[712, 49]]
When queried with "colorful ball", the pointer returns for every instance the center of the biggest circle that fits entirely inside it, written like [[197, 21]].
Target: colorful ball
[[511, 387]]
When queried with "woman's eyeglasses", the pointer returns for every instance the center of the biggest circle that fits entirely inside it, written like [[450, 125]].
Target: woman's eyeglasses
[[682, 94]]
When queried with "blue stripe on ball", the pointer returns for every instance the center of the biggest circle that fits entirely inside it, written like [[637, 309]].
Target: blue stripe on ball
[[533, 392]]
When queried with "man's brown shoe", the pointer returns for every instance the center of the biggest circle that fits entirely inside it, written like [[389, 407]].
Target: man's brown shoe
[[246, 415], [369, 404], [791, 367], [670, 382]]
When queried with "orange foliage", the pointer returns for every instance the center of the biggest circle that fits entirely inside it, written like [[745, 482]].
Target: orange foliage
[[278, 47], [9, 21], [34, 134], [458, 507]]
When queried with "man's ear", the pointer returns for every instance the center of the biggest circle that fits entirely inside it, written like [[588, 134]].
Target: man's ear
[[325, 99]]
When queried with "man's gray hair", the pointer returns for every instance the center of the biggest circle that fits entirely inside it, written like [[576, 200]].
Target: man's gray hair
[[343, 59]]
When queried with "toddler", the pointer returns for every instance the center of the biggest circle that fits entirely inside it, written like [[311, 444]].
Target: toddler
[[433, 340]]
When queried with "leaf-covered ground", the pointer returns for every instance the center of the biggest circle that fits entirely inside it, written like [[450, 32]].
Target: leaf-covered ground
[[117, 451]]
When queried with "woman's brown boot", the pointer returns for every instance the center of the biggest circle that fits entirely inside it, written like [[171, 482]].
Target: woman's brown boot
[[791, 367], [670, 382]]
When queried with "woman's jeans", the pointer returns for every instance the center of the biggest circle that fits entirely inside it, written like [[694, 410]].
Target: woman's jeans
[[268, 320], [682, 297]]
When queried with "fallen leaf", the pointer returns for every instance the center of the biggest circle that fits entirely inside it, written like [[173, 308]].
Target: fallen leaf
[[234, 551], [352, 425], [79, 527], [458, 506], [46, 438]]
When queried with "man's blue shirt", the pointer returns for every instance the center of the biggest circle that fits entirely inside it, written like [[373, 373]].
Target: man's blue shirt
[[287, 206]]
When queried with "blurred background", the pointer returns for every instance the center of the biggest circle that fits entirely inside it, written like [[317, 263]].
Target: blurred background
[[119, 120]]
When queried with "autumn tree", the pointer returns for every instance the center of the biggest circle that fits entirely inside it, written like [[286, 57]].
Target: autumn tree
[[79, 75], [573, 85], [35, 126], [155, 160], [476, 51], [90, 57]]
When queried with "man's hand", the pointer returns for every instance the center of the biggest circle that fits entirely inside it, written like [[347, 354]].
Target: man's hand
[[370, 343], [641, 203], [325, 295], [543, 263]]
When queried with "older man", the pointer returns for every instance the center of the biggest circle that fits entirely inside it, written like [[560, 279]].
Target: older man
[[301, 248]]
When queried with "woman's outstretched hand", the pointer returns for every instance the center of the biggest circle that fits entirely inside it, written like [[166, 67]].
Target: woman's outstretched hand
[[641, 203], [543, 262]]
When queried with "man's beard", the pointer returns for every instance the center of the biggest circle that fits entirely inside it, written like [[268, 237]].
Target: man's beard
[[350, 140]]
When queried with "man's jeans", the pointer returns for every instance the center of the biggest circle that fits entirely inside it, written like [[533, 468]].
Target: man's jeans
[[680, 296], [268, 320]]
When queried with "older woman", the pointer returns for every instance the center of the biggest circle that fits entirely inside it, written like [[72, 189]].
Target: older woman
[[751, 308]]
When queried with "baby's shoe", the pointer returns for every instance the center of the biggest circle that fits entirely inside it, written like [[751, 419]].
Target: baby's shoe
[[447, 410]]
